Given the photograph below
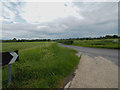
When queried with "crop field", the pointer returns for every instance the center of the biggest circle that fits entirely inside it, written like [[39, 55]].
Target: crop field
[[40, 65], [100, 43]]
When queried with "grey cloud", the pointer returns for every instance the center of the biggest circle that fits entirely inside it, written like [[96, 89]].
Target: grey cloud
[[98, 11], [99, 19]]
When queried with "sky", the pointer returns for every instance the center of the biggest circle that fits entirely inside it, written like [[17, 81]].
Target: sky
[[53, 20]]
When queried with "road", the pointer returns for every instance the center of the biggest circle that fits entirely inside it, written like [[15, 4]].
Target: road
[[98, 68], [110, 54]]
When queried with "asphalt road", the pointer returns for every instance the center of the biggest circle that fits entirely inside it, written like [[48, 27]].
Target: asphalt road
[[110, 54]]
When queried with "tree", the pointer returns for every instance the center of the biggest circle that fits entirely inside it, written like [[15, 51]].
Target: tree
[[108, 36], [14, 39], [115, 36]]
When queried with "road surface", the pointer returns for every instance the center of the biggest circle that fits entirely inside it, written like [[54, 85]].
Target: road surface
[[110, 54], [98, 68]]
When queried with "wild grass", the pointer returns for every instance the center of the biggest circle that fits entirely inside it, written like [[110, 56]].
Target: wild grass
[[100, 43], [40, 65]]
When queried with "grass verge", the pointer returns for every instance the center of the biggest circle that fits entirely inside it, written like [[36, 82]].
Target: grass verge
[[100, 43], [40, 65]]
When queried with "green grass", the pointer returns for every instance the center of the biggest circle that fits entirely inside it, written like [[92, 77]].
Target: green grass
[[40, 65], [101, 43]]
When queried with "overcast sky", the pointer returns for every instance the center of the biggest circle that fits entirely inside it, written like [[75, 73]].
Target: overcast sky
[[34, 20]]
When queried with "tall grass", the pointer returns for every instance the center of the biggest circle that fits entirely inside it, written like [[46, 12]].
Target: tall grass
[[40, 65], [100, 43]]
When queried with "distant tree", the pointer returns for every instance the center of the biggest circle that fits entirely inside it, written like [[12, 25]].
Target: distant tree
[[108, 36], [115, 36], [48, 39], [14, 39]]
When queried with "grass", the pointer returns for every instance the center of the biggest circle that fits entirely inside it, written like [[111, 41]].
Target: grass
[[101, 43], [40, 65]]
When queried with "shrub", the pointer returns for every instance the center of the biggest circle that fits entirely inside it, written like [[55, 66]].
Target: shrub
[[69, 42]]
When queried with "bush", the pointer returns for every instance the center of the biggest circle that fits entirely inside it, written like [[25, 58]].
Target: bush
[[69, 42]]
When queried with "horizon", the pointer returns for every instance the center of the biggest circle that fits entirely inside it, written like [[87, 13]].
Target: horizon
[[59, 38]]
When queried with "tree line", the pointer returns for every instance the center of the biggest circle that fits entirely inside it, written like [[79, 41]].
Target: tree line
[[42, 40], [26, 40], [94, 38]]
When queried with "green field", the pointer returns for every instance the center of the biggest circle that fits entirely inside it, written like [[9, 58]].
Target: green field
[[100, 43], [40, 65]]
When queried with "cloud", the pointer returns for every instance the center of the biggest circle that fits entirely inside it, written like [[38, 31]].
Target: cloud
[[11, 12], [60, 20], [45, 12], [96, 12], [42, 27]]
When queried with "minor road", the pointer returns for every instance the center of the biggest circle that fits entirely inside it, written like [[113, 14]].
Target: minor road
[[110, 54], [98, 68]]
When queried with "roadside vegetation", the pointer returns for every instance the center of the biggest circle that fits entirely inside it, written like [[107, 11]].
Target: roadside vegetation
[[40, 65], [103, 43], [100, 42]]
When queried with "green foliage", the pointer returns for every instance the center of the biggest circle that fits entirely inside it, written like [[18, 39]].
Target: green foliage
[[101, 43], [92, 38], [40, 65], [14, 39], [69, 42], [108, 41], [25, 40]]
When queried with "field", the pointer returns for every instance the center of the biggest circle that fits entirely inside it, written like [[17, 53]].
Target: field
[[100, 43], [40, 65]]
